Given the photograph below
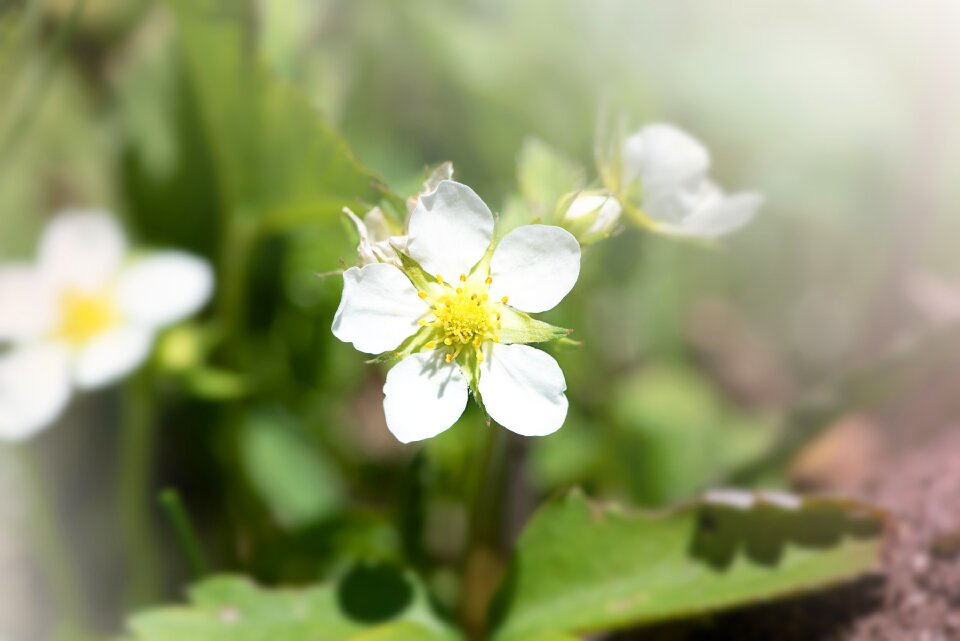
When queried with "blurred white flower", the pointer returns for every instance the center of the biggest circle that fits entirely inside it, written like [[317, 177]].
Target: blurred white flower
[[379, 236], [84, 315], [665, 183], [455, 313], [596, 212]]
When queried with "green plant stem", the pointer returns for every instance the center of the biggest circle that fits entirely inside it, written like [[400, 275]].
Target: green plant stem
[[481, 541], [137, 444], [185, 533], [48, 539]]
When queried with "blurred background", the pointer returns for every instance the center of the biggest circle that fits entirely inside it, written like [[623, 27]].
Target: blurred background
[[789, 355]]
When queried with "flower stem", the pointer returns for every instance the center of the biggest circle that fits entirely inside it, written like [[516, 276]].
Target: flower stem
[[54, 556], [185, 532], [481, 570], [137, 441]]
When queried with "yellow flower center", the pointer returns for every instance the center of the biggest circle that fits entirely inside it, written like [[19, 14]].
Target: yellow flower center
[[84, 315], [463, 317]]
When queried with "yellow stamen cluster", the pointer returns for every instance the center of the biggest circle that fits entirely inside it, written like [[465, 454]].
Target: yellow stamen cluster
[[84, 315], [463, 317]]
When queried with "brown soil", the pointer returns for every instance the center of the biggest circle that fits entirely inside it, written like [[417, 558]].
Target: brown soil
[[918, 596]]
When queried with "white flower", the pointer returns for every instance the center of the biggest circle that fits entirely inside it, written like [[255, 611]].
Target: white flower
[[379, 237], [84, 316], [596, 211], [668, 169], [456, 315], [377, 244]]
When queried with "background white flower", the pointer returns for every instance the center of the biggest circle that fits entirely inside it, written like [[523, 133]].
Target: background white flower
[[84, 316], [458, 318], [596, 211], [668, 168]]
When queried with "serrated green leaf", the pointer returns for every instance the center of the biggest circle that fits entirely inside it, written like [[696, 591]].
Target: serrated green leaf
[[581, 566], [233, 608]]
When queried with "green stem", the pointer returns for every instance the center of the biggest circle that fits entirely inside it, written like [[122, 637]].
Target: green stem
[[137, 444], [184, 531], [47, 529], [483, 520]]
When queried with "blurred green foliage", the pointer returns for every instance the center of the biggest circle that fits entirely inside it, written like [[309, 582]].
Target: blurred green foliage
[[238, 130]]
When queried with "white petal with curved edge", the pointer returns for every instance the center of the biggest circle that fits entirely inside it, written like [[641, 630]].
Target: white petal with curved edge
[[605, 207], [661, 154], [523, 389], [27, 306], [379, 308], [536, 266], [111, 356], [450, 230], [423, 396], [34, 389], [720, 215], [82, 249], [163, 288]]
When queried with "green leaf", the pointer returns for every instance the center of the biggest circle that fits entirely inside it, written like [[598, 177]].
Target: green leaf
[[544, 175], [274, 154], [233, 608], [582, 566], [292, 476], [677, 435]]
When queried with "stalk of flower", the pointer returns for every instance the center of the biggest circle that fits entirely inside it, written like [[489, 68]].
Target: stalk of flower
[[659, 176], [455, 317], [84, 315]]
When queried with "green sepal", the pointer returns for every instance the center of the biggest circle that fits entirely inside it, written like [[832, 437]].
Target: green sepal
[[417, 274], [517, 327], [411, 345], [470, 367]]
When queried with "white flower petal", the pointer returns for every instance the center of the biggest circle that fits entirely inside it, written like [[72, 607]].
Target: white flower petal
[[163, 288], [376, 245], [81, 250], [111, 356], [379, 308], [27, 305], [34, 389], [450, 230], [522, 389], [661, 155], [377, 226], [423, 396], [720, 215], [536, 266], [604, 206]]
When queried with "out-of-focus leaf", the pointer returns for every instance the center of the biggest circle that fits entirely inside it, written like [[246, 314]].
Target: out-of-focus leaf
[[233, 608], [294, 478], [544, 175], [570, 456], [274, 154], [677, 436], [581, 566], [169, 179]]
